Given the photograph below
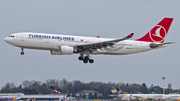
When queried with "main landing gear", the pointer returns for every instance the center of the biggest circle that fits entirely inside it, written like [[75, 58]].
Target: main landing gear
[[86, 58], [22, 53]]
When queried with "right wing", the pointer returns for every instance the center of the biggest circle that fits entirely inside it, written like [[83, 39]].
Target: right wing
[[99, 45]]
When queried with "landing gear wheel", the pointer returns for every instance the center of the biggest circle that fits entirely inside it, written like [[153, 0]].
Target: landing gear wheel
[[22, 53], [91, 61], [85, 61], [86, 58], [80, 58]]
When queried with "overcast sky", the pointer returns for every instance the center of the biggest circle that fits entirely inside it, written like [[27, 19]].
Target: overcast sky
[[104, 18]]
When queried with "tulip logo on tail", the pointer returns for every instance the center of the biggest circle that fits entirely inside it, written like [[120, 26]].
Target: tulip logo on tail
[[158, 33]]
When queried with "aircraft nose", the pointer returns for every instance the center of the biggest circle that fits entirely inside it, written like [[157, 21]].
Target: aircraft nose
[[5, 39]]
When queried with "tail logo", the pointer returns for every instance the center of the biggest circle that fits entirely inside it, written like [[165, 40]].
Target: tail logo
[[119, 91], [113, 91], [158, 33]]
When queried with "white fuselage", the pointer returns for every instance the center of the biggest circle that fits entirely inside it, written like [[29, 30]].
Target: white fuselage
[[140, 96], [53, 41], [172, 97]]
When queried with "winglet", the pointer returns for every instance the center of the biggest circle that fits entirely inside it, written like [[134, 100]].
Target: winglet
[[129, 36]]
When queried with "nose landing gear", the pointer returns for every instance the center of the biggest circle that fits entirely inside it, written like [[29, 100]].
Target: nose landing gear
[[86, 58], [22, 53]]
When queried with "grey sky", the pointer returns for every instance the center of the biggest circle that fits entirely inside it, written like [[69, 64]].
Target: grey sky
[[106, 18]]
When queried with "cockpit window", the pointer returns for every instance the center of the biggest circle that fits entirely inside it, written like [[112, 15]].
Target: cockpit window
[[12, 36]]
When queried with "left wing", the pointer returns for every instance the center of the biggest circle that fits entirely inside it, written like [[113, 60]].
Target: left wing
[[99, 45]]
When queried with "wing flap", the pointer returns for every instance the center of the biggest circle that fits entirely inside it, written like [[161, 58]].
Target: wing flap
[[99, 45]]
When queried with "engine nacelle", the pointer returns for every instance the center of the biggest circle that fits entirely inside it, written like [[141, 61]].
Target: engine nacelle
[[63, 50]]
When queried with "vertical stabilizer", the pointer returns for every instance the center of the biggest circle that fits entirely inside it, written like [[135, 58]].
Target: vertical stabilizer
[[114, 91], [159, 32], [119, 90]]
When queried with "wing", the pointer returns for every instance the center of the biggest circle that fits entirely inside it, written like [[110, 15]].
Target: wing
[[99, 45], [137, 96]]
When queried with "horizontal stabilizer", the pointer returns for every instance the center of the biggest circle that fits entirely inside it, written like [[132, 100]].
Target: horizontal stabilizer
[[154, 45]]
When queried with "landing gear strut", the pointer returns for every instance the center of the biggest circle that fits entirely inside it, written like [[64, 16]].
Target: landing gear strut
[[22, 53], [86, 58]]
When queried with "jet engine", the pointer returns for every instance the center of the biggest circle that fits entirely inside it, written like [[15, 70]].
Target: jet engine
[[63, 50]]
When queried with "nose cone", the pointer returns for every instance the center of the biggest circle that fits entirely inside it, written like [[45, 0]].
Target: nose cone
[[6, 39]]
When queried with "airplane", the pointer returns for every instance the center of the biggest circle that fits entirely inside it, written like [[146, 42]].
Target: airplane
[[149, 96], [123, 96], [55, 91], [172, 97], [68, 44], [13, 98], [120, 95]]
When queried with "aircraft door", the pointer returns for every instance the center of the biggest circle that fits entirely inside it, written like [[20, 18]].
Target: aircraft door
[[22, 37], [135, 45]]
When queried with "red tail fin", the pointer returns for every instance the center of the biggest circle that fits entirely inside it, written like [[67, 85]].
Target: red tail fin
[[159, 32]]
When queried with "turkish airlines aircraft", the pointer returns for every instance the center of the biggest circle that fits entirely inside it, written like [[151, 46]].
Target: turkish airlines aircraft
[[67, 44]]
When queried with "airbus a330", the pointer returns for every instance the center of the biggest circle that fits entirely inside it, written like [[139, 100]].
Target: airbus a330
[[85, 46]]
